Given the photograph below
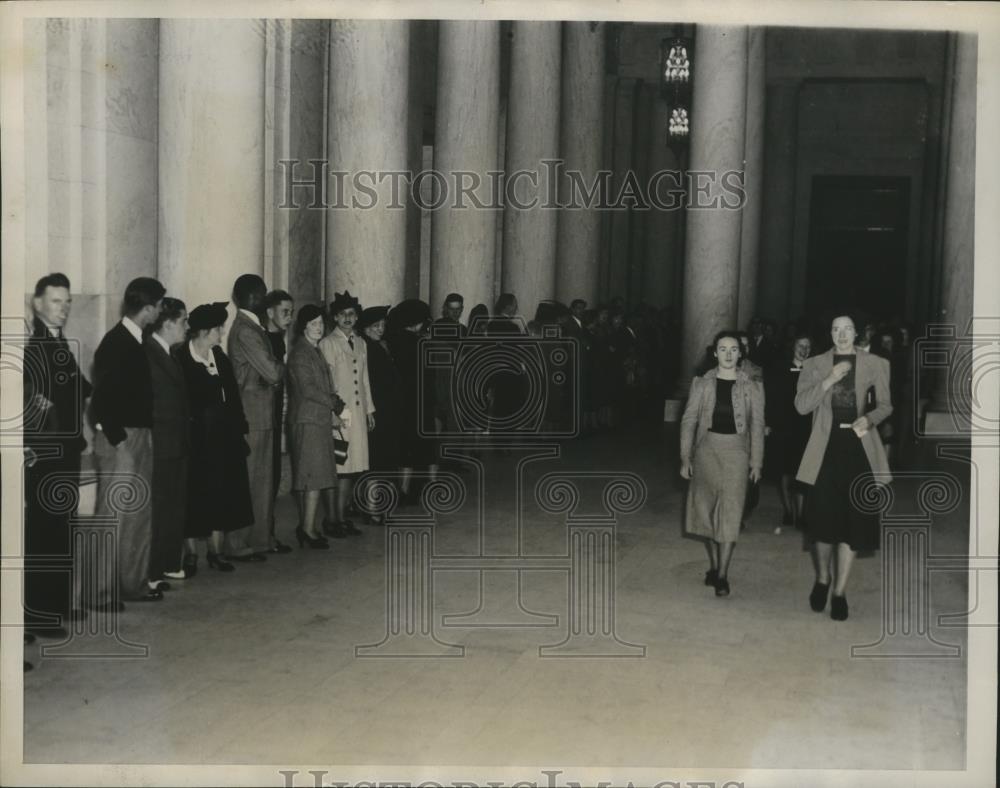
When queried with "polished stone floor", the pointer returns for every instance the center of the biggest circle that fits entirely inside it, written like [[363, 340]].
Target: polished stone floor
[[259, 666]]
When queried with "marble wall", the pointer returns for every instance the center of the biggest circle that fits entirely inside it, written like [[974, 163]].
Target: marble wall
[[91, 162]]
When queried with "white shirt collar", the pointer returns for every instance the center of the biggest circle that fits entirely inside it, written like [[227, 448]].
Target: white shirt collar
[[250, 315], [162, 341], [133, 329], [578, 321], [208, 363]]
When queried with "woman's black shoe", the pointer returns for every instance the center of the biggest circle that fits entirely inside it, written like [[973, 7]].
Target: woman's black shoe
[[334, 530], [722, 587], [711, 577], [315, 542], [215, 561], [838, 608], [190, 565], [350, 528], [817, 599]]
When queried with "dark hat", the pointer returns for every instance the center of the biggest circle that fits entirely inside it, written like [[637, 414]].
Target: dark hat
[[371, 316], [342, 301], [409, 313], [306, 314], [208, 316]]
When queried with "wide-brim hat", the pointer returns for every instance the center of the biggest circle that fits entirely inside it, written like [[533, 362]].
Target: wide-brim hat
[[371, 316], [342, 301], [409, 313], [208, 316]]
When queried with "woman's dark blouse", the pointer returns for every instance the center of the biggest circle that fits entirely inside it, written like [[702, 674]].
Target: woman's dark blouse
[[843, 399], [723, 420]]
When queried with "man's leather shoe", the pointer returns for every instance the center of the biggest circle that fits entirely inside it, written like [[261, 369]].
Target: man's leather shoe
[[158, 585]]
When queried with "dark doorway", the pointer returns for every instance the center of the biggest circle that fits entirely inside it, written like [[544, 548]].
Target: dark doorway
[[857, 245]]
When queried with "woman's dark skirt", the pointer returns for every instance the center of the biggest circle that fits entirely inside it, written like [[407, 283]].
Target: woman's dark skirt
[[830, 515]]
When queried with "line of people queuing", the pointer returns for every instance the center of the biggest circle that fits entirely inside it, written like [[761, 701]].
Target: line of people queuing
[[188, 410]]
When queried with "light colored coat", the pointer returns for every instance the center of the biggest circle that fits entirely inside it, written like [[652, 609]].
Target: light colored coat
[[870, 370], [258, 373], [349, 373], [748, 413]]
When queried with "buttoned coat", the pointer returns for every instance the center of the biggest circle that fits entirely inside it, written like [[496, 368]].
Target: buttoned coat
[[870, 371], [171, 413], [748, 413], [349, 373], [258, 373]]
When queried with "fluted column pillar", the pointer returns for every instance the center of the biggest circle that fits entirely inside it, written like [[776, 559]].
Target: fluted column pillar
[[581, 146], [753, 176], [959, 224], [718, 129], [463, 240], [951, 405], [529, 234], [367, 134], [211, 149]]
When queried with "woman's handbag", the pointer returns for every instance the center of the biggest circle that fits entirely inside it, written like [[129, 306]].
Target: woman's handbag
[[339, 446]]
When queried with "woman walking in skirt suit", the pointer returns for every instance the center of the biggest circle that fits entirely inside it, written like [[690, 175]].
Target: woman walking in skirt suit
[[347, 356], [722, 448], [846, 390]]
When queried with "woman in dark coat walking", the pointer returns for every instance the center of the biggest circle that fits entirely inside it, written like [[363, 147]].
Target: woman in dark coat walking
[[218, 484], [416, 404], [789, 428]]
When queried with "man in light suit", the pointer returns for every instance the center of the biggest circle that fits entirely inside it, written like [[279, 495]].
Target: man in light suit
[[259, 375]]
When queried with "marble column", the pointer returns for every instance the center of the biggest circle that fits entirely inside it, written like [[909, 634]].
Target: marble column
[[90, 161], [957, 264], [463, 239], [581, 146], [368, 137], [718, 137], [753, 174], [212, 157], [529, 234], [951, 406]]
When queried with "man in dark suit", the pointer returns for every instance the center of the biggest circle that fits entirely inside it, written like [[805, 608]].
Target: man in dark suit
[[122, 414], [258, 374], [279, 308], [54, 393], [171, 442]]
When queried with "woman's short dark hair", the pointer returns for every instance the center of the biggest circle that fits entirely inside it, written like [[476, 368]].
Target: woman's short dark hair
[[726, 333], [305, 316], [170, 309], [504, 301]]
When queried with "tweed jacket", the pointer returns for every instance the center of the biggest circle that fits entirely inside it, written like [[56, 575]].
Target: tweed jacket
[[171, 412], [748, 412], [258, 373], [310, 390], [810, 398]]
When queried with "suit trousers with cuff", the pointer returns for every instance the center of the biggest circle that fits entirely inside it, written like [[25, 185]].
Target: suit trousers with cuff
[[125, 497], [257, 537]]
